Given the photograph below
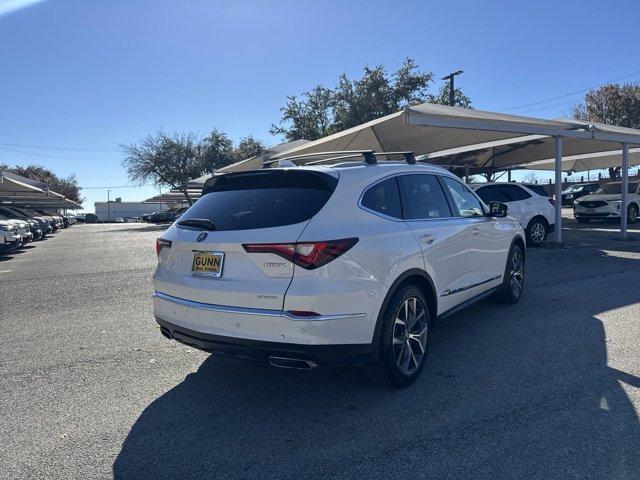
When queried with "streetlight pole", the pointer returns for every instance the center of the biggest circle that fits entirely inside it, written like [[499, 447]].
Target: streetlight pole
[[109, 205], [452, 89]]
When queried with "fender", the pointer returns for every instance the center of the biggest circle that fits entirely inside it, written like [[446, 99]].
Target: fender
[[385, 303]]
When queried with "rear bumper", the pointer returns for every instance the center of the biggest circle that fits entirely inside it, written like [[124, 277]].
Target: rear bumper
[[263, 324], [257, 350]]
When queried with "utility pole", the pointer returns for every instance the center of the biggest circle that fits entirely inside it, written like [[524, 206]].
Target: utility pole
[[452, 89], [109, 205]]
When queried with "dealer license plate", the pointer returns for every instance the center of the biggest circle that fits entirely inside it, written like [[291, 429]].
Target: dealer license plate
[[207, 264]]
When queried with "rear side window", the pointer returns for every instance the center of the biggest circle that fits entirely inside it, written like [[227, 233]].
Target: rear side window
[[423, 197], [539, 189], [490, 194], [513, 192], [384, 198], [262, 199]]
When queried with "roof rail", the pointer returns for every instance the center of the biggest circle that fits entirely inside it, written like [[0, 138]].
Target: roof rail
[[369, 157]]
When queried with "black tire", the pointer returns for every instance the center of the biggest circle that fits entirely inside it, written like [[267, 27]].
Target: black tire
[[536, 231], [508, 293], [583, 220], [387, 370], [632, 213]]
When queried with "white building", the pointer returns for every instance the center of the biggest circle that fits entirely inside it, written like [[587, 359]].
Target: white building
[[109, 211]]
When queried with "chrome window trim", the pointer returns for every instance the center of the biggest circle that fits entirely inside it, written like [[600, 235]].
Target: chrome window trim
[[263, 312]]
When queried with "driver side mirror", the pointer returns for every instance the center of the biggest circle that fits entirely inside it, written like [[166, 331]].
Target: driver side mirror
[[498, 209]]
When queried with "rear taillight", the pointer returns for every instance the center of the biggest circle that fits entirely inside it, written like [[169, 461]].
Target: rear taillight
[[308, 255], [552, 201], [162, 243]]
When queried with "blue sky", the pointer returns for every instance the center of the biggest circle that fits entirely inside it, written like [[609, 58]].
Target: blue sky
[[80, 77]]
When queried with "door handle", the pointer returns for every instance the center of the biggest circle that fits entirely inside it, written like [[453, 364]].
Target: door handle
[[429, 239], [475, 230]]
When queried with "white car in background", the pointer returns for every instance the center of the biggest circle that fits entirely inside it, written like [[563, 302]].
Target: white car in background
[[22, 226], [605, 203], [534, 211], [9, 237], [325, 265]]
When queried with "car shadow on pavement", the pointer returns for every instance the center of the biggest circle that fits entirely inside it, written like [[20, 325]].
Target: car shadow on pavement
[[509, 392]]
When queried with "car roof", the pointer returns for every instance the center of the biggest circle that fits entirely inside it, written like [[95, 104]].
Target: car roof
[[365, 171]]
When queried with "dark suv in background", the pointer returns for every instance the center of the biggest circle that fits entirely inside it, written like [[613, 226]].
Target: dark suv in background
[[572, 193]]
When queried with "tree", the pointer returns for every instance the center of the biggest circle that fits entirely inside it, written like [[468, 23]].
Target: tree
[[309, 118], [67, 186], [324, 111], [459, 98], [173, 160], [168, 160], [247, 147], [530, 177], [612, 104]]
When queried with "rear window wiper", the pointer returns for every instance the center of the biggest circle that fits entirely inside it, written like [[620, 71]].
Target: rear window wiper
[[200, 223]]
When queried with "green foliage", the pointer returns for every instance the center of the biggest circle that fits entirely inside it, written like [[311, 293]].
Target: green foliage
[[247, 147], [174, 160], [611, 104], [67, 186], [459, 98], [323, 111]]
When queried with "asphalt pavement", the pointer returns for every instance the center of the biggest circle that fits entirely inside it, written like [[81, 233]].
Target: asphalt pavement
[[547, 388]]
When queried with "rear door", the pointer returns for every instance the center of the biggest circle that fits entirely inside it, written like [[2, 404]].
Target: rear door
[[444, 240], [258, 207]]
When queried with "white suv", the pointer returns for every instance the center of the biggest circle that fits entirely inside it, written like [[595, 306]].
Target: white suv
[[326, 265], [534, 211], [605, 203]]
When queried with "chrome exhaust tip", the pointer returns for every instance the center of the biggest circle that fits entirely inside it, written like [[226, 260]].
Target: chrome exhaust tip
[[292, 363]]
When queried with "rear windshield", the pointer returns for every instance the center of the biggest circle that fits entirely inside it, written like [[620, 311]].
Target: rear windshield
[[262, 199]]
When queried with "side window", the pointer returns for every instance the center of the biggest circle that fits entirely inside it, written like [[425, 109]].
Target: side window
[[422, 197], [468, 205], [514, 193], [384, 198], [490, 194]]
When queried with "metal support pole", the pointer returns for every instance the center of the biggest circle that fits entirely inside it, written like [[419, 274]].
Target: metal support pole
[[466, 174], [625, 190], [509, 175], [558, 190], [452, 91]]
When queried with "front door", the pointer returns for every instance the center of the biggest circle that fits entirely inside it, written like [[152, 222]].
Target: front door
[[487, 244]]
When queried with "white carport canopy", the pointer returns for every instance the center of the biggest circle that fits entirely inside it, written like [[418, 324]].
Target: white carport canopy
[[21, 191], [587, 161], [429, 128], [456, 136]]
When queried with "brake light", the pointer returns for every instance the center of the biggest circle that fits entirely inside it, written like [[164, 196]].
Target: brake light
[[552, 201], [162, 243], [308, 255]]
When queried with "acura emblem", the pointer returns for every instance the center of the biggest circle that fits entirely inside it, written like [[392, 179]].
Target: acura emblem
[[202, 236]]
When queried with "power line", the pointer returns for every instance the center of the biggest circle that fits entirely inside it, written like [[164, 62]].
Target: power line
[[118, 186], [41, 147], [570, 94], [61, 157]]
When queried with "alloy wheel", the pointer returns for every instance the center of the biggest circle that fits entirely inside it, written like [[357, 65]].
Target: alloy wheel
[[410, 333], [516, 273], [632, 215], [537, 232]]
